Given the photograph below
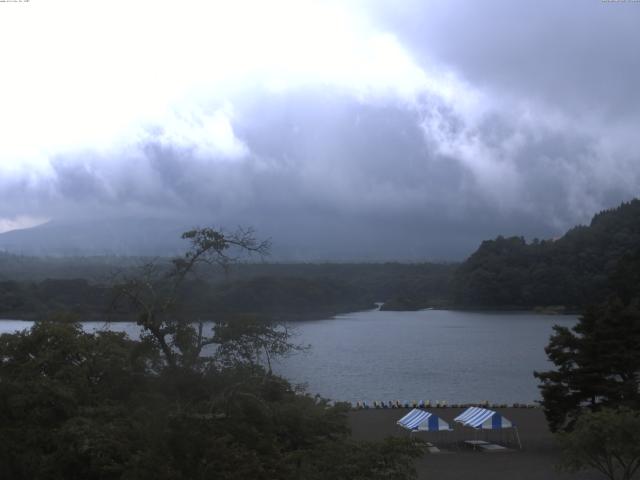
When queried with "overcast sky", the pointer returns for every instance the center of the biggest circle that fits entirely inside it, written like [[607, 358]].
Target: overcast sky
[[341, 129]]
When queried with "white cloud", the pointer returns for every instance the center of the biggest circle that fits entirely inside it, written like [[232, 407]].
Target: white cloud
[[20, 222], [208, 136], [85, 74]]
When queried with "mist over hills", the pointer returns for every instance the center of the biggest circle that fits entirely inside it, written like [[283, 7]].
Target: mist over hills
[[318, 238], [315, 239], [127, 237]]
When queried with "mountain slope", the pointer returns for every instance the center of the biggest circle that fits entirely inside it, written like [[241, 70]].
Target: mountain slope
[[98, 237], [572, 271]]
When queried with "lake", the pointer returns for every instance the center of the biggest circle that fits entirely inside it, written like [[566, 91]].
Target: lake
[[426, 355]]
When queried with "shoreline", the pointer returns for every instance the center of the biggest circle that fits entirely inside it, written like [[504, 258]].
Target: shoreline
[[330, 314], [536, 460], [537, 310], [310, 316], [397, 405]]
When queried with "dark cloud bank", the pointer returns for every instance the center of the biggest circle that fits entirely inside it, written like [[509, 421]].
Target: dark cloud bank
[[328, 175]]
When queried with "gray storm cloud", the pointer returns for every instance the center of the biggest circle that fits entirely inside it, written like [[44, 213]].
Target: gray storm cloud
[[537, 136], [576, 55]]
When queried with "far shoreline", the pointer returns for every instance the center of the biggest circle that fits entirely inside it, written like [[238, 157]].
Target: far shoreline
[[539, 310], [304, 317]]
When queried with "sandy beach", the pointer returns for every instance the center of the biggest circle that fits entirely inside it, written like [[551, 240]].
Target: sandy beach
[[536, 460]]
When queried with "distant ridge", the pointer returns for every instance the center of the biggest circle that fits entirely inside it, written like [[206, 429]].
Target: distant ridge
[[128, 236]]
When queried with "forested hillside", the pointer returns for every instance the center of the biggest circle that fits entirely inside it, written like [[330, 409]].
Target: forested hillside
[[571, 271], [283, 298], [285, 291]]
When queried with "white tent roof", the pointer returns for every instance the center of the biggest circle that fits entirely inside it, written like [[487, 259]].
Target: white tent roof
[[483, 418], [423, 421]]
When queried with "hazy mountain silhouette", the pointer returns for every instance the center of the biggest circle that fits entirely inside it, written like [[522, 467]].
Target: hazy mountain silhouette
[[125, 236]]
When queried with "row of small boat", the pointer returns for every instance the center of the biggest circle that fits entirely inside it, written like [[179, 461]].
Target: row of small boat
[[437, 404]]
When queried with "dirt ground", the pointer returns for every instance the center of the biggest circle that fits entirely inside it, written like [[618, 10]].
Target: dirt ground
[[536, 460]]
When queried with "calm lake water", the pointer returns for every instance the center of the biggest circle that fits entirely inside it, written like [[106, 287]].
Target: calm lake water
[[426, 355]]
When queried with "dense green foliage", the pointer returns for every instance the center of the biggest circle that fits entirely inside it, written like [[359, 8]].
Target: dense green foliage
[[289, 297], [288, 291], [274, 296], [572, 271], [97, 269], [99, 406], [426, 287], [598, 360], [608, 441], [29, 300], [181, 403]]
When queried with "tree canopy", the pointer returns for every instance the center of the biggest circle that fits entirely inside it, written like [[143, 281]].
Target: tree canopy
[[572, 271], [608, 441], [598, 360], [78, 405]]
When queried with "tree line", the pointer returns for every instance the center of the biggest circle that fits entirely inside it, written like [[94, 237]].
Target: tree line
[[571, 271], [292, 291], [283, 297]]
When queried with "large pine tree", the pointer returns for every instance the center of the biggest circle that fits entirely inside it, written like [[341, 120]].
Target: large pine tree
[[598, 360]]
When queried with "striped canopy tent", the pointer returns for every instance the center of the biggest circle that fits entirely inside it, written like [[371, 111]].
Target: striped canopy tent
[[422, 421], [484, 419], [477, 417]]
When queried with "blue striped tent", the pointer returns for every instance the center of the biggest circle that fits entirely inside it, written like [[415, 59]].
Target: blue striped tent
[[477, 417], [422, 421], [483, 419]]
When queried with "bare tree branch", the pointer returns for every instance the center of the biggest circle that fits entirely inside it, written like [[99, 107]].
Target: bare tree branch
[[153, 293]]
